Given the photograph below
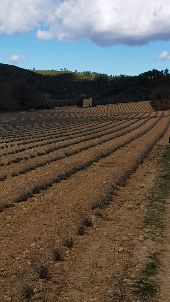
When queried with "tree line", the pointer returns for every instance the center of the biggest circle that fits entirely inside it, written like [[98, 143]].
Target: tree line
[[25, 89]]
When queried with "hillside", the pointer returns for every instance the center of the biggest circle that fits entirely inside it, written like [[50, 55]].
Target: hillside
[[25, 89]]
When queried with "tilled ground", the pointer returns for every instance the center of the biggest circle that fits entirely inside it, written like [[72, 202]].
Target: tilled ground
[[77, 237]]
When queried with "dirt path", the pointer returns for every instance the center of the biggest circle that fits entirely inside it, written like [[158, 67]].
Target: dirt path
[[163, 278], [165, 261]]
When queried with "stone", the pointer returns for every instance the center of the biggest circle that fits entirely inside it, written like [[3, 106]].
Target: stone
[[141, 238], [130, 206]]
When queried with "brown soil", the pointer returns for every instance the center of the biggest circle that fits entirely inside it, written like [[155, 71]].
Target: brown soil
[[102, 264], [103, 267], [164, 277]]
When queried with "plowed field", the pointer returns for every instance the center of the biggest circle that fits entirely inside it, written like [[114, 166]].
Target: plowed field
[[60, 173]]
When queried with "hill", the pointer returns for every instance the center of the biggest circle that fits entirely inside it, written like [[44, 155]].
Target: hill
[[25, 89]]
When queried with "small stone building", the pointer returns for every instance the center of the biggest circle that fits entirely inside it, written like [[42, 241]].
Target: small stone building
[[85, 101]]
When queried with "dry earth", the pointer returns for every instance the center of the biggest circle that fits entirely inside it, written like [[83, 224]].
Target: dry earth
[[164, 276], [73, 193]]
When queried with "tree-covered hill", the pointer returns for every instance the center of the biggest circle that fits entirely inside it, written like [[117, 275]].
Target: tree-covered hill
[[24, 89]]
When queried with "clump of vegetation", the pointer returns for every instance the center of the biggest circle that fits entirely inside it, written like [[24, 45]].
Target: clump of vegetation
[[161, 98], [68, 243], [4, 206], [24, 197], [87, 222], [43, 272], [57, 255], [16, 160], [157, 201], [98, 214], [146, 286], [3, 177], [81, 230], [103, 202], [28, 292]]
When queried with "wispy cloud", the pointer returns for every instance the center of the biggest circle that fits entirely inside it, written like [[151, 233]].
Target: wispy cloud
[[16, 58], [105, 22], [164, 56]]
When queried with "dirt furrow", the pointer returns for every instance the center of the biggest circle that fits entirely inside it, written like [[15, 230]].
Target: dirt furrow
[[59, 151], [59, 135], [19, 135], [57, 139], [51, 147], [22, 187], [56, 130]]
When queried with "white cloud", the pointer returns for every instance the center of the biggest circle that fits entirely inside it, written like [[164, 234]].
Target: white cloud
[[106, 22], [19, 16], [16, 58], [164, 56]]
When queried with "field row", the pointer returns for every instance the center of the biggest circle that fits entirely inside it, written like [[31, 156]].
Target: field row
[[29, 121], [50, 148], [41, 127], [61, 132], [43, 177]]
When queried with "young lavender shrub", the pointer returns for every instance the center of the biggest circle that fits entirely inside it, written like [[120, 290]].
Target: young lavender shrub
[[28, 292], [57, 255], [43, 272]]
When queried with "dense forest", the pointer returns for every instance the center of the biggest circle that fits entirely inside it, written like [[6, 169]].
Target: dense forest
[[25, 89]]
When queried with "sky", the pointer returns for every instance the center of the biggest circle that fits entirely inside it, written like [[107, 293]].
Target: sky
[[107, 36]]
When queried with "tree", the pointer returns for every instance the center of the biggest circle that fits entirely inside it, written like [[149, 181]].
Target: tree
[[166, 72], [161, 98]]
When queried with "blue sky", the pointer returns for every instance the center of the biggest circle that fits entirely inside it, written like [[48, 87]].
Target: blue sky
[[93, 43]]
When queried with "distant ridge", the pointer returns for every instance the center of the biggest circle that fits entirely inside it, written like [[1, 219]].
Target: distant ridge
[[24, 89]]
